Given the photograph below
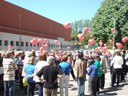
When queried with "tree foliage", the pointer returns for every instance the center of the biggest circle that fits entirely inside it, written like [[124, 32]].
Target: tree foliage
[[77, 28], [103, 20]]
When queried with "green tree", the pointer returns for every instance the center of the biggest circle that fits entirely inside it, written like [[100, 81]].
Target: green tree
[[77, 28], [103, 20]]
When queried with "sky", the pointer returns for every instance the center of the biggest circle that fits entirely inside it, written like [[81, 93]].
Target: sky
[[61, 11]]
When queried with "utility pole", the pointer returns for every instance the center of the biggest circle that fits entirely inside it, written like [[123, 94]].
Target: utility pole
[[114, 34], [19, 30]]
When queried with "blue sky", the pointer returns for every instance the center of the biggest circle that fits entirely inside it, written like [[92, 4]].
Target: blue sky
[[61, 11]]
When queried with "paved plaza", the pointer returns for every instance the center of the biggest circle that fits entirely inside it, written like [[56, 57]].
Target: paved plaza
[[122, 90]]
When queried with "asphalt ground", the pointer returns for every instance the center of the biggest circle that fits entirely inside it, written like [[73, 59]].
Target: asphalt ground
[[122, 90]]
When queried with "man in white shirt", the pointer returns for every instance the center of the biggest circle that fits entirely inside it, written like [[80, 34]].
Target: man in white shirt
[[117, 63]]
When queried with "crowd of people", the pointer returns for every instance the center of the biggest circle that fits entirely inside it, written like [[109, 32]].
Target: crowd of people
[[47, 70]]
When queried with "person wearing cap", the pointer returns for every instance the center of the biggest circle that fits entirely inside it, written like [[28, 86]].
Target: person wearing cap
[[9, 68], [50, 74]]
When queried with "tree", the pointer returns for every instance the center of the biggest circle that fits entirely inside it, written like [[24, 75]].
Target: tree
[[77, 28], [102, 22]]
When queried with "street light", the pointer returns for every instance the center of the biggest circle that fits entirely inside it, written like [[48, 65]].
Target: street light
[[114, 34], [19, 30]]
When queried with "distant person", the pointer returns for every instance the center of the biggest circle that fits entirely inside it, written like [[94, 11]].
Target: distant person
[[126, 59], [50, 74], [20, 64], [9, 68], [1, 59], [103, 69]]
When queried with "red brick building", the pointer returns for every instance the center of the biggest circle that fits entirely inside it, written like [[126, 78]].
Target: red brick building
[[20, 21]]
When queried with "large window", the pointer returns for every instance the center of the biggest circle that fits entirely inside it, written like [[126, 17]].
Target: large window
[[0, 42], [17, 43], [12, 43], [6, 43], [22, 43]]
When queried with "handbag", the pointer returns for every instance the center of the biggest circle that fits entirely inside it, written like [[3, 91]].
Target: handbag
[[25, 82]]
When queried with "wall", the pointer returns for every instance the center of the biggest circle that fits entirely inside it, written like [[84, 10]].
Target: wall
[[14, 19]]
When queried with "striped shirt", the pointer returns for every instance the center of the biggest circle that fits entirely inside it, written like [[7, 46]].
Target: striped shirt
[[9, 69]]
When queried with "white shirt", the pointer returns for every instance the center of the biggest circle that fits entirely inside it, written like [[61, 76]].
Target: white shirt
[[39, 65], [126, 58], [117, 62]]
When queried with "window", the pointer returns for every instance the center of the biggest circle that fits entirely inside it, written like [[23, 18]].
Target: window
[[49, 45], [0, 42], [38, 45], [6, 43], [17, 43], [26, 43], [12, 43], [30, 44], [22, 43]]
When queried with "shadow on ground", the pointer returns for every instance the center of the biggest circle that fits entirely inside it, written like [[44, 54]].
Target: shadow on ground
[[111, 91]]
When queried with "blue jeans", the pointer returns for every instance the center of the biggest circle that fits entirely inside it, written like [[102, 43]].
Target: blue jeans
[[9, 87], [40, 89], [30, 89], [81, 86]]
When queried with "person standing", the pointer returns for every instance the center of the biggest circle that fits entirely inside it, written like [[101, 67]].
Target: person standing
[[80, 67], [9, 73], [103, 69], [40, 64], [92, 72], [20, 64], [1, 59], [65, 67], [117, 63], [51, 74], [97, 63], [29, 74], [126, 59]]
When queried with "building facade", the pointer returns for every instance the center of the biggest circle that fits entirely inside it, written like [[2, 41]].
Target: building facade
[[18, 26]]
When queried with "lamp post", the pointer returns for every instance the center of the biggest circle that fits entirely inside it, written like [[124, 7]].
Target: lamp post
[[114, 34], [19, 30]]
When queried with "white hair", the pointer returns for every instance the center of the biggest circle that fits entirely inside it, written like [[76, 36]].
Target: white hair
[[51, 60]]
